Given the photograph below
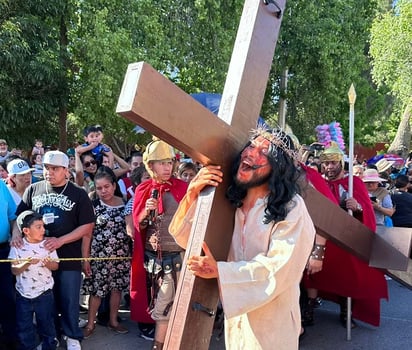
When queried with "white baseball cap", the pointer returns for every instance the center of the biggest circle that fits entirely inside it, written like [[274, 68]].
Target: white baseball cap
[[18, 167], [56, 158]]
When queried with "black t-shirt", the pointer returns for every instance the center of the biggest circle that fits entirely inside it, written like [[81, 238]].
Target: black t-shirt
[[63, 209]]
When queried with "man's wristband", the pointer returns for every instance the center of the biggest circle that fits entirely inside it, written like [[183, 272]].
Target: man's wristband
[[318, 252]]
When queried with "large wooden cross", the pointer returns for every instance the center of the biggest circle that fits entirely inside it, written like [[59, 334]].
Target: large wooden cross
[[153, 102], [156, 104]]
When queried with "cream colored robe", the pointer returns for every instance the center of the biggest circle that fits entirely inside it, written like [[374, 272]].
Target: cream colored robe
[[259, 284]]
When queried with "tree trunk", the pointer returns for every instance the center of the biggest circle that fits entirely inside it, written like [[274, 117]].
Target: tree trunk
[[402, 141], [65, 91], [63, 128]]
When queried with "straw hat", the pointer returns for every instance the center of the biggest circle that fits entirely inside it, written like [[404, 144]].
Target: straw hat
[[384, 164], [371, 175]]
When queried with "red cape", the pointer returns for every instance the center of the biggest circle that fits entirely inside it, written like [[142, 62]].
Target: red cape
[[138, 289], [344, 274]]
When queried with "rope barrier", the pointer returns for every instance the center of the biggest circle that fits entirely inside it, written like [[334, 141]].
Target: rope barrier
[[68, 259]]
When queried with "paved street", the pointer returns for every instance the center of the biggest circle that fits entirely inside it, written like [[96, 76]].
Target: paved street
[[395, 332]]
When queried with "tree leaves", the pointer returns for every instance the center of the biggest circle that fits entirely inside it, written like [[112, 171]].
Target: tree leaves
[[72, 55]]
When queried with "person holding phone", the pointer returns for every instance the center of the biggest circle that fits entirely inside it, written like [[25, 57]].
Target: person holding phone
[[379, 196]]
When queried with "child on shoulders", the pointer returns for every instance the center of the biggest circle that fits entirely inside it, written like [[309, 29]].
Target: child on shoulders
[[93, 137], [38, 147]]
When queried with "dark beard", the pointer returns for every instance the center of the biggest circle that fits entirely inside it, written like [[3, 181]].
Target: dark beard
[[254, 182]]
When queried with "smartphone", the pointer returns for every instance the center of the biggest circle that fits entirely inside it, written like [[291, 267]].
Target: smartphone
[[373, 198]]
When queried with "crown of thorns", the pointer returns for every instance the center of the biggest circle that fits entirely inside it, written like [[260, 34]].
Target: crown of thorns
[[276, 137]]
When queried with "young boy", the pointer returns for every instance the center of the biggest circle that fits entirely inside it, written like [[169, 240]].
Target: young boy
[[34, 283], [93, 137], [38, 147]]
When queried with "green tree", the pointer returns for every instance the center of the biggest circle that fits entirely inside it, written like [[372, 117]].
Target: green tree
[[85, 46], [32, 76], [391, 47], [189, 41], [323, 45], [101, 49]]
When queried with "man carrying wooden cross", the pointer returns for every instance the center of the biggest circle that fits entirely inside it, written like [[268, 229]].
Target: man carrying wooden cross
[[272, 239]]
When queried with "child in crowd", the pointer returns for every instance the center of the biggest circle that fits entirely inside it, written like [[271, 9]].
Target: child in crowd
[[34, 283], [37, 164], [72, 163], [93, 137], [186, 171], [38, 147]]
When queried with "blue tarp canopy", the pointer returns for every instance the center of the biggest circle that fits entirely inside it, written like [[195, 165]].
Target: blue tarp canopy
[[211, 101]]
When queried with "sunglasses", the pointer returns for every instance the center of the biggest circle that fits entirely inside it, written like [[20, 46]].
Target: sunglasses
[[87, 164]]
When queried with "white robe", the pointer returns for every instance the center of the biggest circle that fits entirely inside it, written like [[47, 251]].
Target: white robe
[[259, 284]]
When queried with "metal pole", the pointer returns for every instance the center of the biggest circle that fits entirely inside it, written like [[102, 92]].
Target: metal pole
[[352, 99], [282, 99]]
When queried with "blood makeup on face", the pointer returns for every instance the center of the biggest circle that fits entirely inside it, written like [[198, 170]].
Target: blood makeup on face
[[255, 155]]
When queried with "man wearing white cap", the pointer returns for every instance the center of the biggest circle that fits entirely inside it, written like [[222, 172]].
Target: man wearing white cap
[[19, 178], [69, 219]]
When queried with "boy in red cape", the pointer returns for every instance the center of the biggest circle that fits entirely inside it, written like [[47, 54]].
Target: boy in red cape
[[155, 250]]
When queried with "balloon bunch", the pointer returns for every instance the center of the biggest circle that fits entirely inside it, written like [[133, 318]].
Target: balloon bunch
[[326, 133]]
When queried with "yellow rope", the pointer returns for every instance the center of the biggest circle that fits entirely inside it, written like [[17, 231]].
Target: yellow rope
[[67, 259]]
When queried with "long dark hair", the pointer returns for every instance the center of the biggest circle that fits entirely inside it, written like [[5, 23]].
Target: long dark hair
[[104, 172], [90, 154], [283, 181]]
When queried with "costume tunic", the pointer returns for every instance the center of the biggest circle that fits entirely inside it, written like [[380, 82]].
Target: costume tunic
[[344, 275], [259, 285], [109, 240]]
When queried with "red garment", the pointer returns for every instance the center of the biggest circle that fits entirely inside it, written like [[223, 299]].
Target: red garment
[[344, 274], [138, 290], [129, 187]]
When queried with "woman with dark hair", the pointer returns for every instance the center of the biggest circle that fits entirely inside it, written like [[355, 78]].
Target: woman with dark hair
[[86, 167], [110, 240]]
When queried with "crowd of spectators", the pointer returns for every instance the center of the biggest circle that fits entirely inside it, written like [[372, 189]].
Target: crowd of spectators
[[110, 182]]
